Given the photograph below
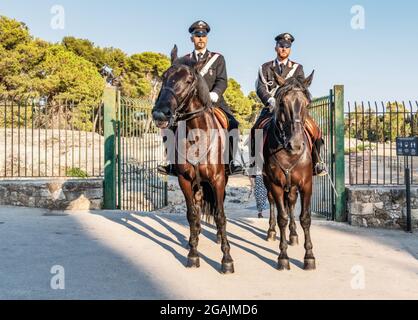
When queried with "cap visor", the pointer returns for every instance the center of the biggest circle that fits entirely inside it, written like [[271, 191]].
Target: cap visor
[[284, 44], [200, 33]]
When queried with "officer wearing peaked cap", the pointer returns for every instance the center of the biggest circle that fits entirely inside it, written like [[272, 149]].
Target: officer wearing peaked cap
[[214, 72], [266, 87], [214, 63]]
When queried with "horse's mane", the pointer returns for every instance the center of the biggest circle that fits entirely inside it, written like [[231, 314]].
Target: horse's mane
[[203, 91], [201, 86], [292, 83]]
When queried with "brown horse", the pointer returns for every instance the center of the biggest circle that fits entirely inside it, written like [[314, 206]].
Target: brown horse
[[288, 167], [184, 99]]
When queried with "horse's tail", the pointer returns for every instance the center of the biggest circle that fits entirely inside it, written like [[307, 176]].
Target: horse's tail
[[208, 203]]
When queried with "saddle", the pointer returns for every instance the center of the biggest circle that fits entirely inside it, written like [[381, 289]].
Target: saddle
[[221, 116], [312, 131]]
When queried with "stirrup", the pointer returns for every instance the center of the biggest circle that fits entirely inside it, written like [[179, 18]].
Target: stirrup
[[320, 170], [233, 169], [167, 170]]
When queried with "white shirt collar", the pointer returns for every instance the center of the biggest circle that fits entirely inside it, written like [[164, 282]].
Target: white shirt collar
[[284, 61], [197, 52]]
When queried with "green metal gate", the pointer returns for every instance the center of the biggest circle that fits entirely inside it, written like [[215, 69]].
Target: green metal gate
[[133, 149], [329, 192]]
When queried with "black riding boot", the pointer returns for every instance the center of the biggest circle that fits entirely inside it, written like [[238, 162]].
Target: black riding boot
[[318, 165], [233, 168], [265, 113], [169, 169]]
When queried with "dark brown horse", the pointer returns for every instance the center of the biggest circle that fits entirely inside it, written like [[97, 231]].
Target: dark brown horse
[[288, 167], [184, 99]]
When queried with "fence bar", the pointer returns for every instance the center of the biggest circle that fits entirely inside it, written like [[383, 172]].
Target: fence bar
[[109, 189], [340, 212]]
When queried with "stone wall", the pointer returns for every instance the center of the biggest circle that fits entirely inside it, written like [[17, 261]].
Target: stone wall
[[56, 194], [380, 207]]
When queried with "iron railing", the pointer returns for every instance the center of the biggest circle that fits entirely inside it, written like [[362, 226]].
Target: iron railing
[[140, 149], [323, 198], [50, 138], [371, 129]]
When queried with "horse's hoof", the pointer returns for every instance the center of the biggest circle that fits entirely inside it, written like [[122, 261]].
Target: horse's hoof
[[309, 265], [193, 262], [228, 268], [294, 241], [283, 264], [271, 236]]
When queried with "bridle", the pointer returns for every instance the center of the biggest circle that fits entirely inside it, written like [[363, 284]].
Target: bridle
[[283, 139], [181, 113]]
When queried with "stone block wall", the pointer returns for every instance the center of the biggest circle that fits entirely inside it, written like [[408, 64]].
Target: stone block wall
[[380, 207], [56, 194]]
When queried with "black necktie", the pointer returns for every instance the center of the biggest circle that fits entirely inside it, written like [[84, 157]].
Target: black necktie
[[281, 68], [199, 56]]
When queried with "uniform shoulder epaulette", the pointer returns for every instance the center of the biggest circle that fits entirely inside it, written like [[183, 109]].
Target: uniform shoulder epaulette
[[267, 64], [293, 63], [213, 53]]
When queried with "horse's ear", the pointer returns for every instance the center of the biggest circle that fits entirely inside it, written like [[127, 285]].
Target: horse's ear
[[174, 54], [280, 80], [308, 80]]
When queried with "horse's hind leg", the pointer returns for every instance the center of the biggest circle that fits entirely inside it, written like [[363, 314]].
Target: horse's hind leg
[[292, 197], [305, 219], [220, 219], [271, 234], [193, 216]]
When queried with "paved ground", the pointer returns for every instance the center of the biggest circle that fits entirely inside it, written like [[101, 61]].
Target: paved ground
[[108, 255]]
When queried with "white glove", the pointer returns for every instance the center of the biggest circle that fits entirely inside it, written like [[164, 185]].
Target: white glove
[[214, 97], [271, 103]]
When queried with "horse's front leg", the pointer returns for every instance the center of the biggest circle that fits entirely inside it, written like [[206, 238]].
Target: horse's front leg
[[292, 197], [272, 234], [278, 194], [220, 219], [193, 217], [305, 219]]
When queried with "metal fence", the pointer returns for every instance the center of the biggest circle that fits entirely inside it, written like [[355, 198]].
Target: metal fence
[[140, 149], [371, 129], [50, 138], [328, 198], [323, 200]]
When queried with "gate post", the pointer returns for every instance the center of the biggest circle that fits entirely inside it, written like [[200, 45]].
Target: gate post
[[340, 205], [109, 183]]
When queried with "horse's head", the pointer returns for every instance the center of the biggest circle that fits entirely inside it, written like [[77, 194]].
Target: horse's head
[[292, 100], [180, 84]]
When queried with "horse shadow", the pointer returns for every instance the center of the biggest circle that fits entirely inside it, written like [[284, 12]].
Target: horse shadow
[[246, 226], [171, 237], [158, 236]]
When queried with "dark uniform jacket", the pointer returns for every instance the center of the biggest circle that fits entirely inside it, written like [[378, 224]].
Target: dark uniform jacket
[[266, 85], [216, 77]]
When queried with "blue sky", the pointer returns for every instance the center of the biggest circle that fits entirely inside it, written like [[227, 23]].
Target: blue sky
[[379, 62]]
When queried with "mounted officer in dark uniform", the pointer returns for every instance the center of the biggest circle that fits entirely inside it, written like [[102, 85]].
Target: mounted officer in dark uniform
[[214, 73], [267, 86]]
